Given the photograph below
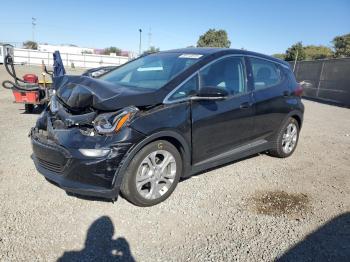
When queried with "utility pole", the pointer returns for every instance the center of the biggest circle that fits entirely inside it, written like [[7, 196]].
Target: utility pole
[[295, 61], [149, 38], [33, 28], [140, 30]]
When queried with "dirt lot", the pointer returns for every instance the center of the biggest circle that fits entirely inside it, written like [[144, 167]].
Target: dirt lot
[[260, 208]]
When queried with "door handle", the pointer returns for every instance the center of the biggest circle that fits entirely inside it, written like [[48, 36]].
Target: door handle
[[245, 105]]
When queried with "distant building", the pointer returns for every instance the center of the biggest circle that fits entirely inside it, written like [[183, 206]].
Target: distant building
[[98, 51], [5, 49], [129, 54], [70, 49]]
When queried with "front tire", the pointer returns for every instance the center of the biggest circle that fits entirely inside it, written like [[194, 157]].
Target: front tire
[[28, 108], [152, 174], [286, 139]]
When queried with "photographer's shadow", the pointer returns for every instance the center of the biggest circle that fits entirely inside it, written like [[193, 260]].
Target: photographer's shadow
[[100, 245], [331, 242]]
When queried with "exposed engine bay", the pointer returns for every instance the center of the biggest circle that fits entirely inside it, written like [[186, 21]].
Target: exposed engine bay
[[89, 122]]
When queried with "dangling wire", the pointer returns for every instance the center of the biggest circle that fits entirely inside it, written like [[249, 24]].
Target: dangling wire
[[19, 84]]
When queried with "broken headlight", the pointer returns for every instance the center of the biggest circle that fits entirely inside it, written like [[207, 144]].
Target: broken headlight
[[112, 122]]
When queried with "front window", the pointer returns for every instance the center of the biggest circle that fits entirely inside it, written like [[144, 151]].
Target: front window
[[227, 73], [188, 89], [152, 71]]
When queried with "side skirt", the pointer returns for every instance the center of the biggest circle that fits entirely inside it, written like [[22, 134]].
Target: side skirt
[[231, 155]]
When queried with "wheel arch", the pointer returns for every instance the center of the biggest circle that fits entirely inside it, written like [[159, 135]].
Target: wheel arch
[[172, 137], [297, 115], [298, 119]]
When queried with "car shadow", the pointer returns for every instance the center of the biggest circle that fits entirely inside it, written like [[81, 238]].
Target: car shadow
[[182, 179], [88, 198], [326, 102], [36, 111], [100, 245], [82, 197], [331, 242]]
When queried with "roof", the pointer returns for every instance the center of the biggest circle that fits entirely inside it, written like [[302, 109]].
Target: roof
[[205, 51], [4, 44], [197, 50]]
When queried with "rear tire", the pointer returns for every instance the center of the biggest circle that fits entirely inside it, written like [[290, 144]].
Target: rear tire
[[152, 174], [286, 139]]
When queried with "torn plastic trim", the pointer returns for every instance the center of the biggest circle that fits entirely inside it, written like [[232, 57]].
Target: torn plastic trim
[[71, 120], [57, 109]]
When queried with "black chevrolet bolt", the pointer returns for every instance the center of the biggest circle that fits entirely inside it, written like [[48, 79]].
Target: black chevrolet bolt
[[138, 129]]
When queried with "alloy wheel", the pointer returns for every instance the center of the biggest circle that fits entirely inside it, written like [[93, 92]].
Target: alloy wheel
[[156, 174], [289, 139]]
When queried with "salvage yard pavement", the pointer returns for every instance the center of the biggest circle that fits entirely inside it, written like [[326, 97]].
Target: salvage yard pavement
[[259, 208]]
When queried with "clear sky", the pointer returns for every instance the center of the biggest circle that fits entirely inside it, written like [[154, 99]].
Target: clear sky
[[268, 26]]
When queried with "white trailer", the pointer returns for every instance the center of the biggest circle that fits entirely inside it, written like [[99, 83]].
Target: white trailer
[[5, 49]]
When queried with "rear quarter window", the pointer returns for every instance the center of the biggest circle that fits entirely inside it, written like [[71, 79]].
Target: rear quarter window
[[266, 74]]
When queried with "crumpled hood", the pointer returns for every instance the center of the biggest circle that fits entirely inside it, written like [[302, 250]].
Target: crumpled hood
[[81, 92]]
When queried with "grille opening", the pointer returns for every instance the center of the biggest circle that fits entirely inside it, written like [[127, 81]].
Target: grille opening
[[54, 167]]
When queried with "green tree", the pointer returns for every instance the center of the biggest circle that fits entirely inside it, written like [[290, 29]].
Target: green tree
[[30, 45], [86, 52], [151, 50], [280, 56], [342, 45], [111, 49], [214, 38], [313, 52], [294, 50]]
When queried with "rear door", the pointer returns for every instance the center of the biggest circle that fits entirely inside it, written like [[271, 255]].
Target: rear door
[[271, 90], [221, 125]]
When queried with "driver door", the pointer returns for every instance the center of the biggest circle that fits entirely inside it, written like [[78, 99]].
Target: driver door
[[219, 126]]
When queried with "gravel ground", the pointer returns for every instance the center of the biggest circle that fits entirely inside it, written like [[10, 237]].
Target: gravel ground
[[260, 208]]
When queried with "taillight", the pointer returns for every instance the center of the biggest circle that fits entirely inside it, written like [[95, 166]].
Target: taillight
[[298, 91]]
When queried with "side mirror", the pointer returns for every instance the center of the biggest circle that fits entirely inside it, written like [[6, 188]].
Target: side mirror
[[211, 93]]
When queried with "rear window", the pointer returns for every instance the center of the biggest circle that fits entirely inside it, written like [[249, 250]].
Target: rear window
[[266, 74]]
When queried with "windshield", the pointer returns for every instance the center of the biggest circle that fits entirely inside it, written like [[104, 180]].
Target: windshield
[[151, 71]]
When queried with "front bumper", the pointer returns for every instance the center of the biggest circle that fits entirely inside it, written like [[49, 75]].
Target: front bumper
[[72, 171]]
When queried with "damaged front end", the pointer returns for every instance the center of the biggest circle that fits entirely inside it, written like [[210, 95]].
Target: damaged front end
[[81, 150]]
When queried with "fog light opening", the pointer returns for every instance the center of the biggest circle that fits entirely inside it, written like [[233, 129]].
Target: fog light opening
[[94, 152]]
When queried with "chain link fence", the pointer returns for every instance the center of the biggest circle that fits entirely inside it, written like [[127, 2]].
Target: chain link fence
[[327, 80]]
